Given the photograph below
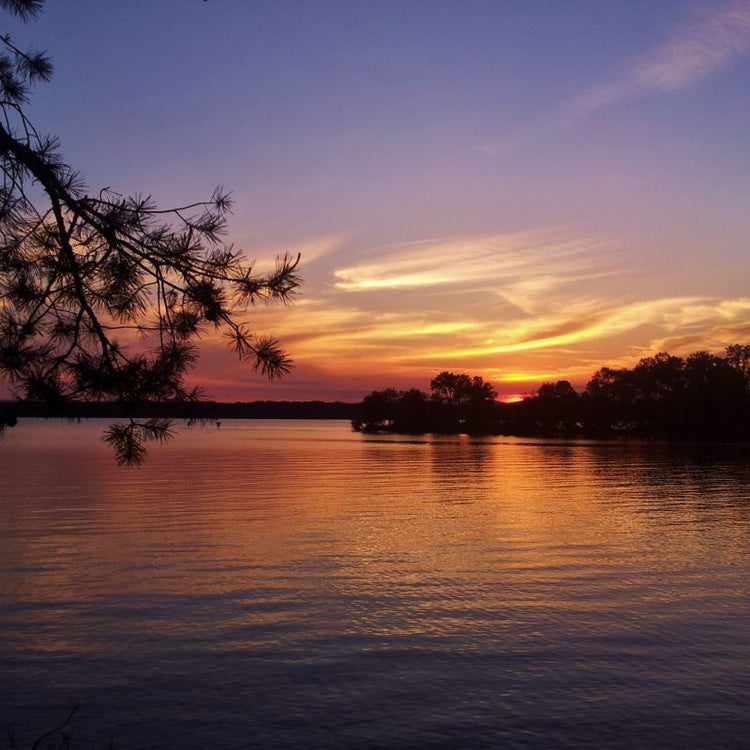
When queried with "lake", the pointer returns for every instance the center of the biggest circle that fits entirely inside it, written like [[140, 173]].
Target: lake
[[291, 584]]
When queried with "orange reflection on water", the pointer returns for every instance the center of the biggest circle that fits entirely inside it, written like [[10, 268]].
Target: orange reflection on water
[[263, 533]]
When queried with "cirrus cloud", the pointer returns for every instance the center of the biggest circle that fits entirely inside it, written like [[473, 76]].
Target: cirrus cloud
[[712, 39]]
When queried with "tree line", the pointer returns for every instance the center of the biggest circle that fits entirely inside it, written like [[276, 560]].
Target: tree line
[[206, 412], [701, 395]]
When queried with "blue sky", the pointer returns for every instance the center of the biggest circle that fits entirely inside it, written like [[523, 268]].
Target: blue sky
[[521, 190]]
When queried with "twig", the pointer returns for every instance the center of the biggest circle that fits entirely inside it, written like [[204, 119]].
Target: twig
[[56, 729]]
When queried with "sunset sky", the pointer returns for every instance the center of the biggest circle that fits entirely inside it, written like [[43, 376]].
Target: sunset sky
[[524, 190]]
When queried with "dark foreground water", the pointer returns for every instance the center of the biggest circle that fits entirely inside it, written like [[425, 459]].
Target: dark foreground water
[[295, 585]]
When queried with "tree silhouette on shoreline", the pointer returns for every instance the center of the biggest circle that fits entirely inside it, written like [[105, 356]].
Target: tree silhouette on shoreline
[[702, 395]]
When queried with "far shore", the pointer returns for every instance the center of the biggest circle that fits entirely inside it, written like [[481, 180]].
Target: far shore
[[210, 410]]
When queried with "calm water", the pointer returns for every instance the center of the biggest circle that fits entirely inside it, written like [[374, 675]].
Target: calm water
[[293, 584]]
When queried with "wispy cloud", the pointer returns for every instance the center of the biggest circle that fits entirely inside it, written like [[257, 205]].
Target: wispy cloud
[[523, 264], [711, 324], [712, 39], [517, 308], [361, 351], [566, 319], [569, 327], [715, 36]]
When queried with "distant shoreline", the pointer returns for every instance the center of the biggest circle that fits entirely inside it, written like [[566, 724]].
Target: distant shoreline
[[210, 410]]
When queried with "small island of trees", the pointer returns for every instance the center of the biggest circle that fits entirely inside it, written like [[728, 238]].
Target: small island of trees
[[703, 396]]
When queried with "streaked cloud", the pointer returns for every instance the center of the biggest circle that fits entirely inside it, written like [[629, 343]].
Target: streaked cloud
[[712, 39], [360, 351], [520, 260], [566, 329], [571, 313], [518, 308], [709, 325]]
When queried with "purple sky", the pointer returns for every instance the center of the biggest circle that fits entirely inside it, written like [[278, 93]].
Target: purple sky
[[521, 190]]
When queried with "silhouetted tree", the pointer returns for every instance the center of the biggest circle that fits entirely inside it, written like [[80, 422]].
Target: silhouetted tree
[[378, 410], [412, 413], [458, 403], [704, 395], [447, 391], [714, 392], [481, 408], [481, 392], [450, 388], [462, 401], [557, 406], [668, 395], [608, 399], [658, 392], [738, 357], [80, 268]]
